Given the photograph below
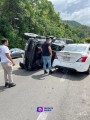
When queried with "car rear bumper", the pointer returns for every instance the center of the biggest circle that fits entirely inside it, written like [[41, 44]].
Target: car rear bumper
[[77, 66]]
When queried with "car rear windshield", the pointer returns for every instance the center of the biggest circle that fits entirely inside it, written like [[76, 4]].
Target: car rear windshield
[[56, 47], [75, 48]]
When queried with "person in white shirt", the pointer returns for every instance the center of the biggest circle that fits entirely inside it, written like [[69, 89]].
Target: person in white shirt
[[7, 63]]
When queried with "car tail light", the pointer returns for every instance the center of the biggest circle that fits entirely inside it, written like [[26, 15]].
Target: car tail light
[[55, 56], [82, 59]]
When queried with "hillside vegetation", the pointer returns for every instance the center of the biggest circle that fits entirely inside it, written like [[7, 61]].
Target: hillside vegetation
[[36, 16], [82, 31]]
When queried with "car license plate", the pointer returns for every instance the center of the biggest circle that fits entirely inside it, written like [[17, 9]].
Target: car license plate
[[66, 58]]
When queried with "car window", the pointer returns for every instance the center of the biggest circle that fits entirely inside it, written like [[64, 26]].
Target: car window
[[59, 41], [15, 50], [56, 47], [63, 42], [76, 48], [11, 51], [69, 41]]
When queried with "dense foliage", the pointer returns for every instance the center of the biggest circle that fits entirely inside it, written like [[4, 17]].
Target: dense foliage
[[86, 40], [36, 16]]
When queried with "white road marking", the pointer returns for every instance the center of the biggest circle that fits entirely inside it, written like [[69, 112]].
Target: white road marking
[[42, 116]]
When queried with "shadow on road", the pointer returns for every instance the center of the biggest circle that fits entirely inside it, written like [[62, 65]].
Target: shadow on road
[[42, 76], [70, 75], [22, 72], [76, 76], [39, 77]]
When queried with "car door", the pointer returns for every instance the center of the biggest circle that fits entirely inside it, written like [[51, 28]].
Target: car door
[[12, 53], [17, 53]]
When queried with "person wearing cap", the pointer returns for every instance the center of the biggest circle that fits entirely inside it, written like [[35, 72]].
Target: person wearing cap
[[7, 63], [47, 55]]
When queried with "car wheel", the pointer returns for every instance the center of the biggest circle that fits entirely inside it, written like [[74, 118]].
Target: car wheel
[[22, 65], [88, 71]]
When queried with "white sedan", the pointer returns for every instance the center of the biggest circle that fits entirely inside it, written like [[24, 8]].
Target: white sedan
[[74, 56]]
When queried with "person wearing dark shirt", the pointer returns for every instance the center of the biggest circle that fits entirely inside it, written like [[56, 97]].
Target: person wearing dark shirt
[[47, 55]]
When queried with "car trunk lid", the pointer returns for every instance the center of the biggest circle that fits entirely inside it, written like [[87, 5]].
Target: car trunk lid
[[66, 56]]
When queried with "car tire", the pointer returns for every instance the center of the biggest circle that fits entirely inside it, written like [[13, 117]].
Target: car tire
[[88, 71], [22, 65]]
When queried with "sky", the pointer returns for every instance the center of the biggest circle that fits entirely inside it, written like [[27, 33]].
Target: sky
[[78, 10]]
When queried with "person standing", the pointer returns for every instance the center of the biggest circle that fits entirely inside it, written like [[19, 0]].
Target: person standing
[[7, 63], [47, 55]]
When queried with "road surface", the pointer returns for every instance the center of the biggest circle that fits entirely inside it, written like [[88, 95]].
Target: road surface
[[67, 93]]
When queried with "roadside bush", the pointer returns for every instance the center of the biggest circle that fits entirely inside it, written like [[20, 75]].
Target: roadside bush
[[87, 40]]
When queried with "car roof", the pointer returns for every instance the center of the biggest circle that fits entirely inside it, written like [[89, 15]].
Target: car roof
[[15, 49]]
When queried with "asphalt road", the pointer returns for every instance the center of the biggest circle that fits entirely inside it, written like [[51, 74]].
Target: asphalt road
[[67, 93]]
